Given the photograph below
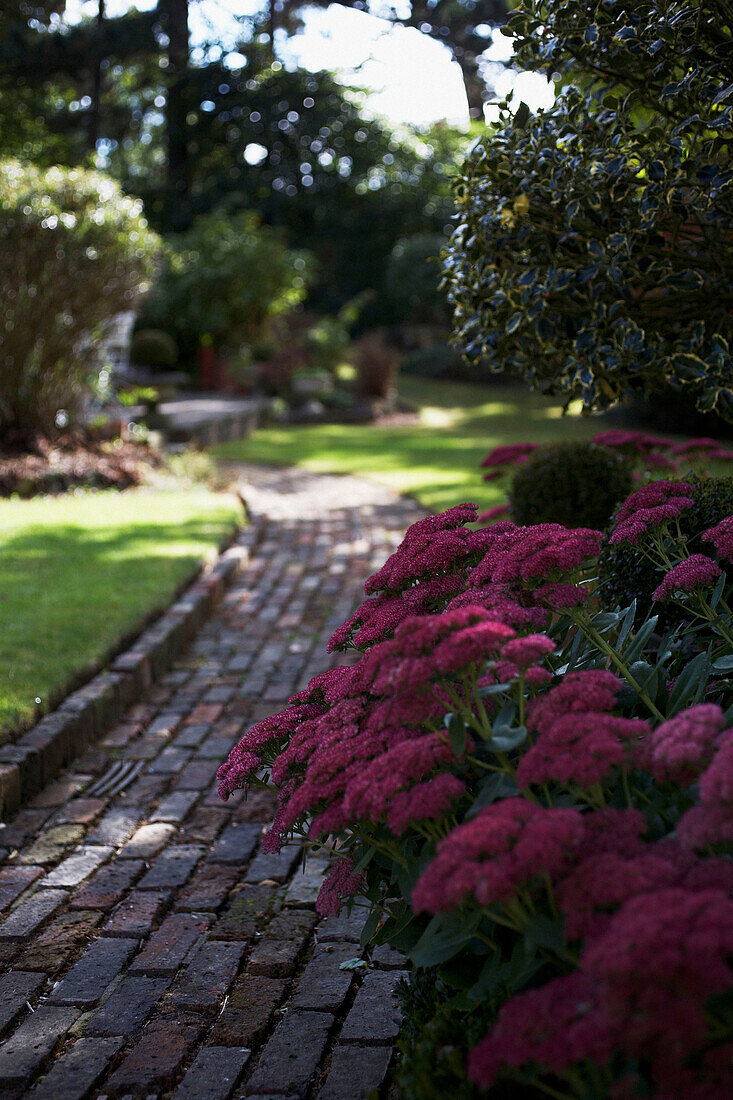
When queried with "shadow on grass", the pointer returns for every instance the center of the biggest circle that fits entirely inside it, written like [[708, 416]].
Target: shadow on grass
[[436, 459], [72, 596]]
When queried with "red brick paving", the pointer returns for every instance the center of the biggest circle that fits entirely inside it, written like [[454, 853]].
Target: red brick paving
[[155, 950]]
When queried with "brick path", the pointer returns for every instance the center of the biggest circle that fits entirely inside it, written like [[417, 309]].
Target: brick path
[[147, 947]]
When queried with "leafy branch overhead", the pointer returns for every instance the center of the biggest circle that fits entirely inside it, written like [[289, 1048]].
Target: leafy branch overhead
[[593, 250]]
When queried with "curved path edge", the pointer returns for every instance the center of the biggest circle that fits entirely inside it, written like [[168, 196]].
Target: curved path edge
[[35, 758], [149, 948]]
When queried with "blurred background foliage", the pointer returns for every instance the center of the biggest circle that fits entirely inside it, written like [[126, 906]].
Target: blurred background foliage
[[192, 136]]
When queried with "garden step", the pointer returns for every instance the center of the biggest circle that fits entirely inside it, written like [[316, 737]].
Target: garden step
[[157, 948]]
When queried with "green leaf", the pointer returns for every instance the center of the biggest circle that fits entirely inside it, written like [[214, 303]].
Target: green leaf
[[444, 937], [723, 664], [504, 742], [543, 932], [626, 625], [513, 323], [370, 927], [497, 785], [723, 95], [640, 640], [718, 590], [504, 718], [457, 732], [354, 964], [690, 684], [521, 116], [495, 689]]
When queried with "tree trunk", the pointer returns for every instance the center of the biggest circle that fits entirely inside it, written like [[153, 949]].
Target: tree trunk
[[175, 22], [95, 113], [271, 26], [476, 90]]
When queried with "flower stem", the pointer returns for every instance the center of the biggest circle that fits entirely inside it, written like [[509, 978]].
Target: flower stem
[[590, 632]]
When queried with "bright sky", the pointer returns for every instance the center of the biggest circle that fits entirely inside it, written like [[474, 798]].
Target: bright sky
[[411, 78]]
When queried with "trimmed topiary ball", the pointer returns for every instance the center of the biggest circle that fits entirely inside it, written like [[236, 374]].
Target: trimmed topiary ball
[[578, 484], [626, 573], [151, 347]]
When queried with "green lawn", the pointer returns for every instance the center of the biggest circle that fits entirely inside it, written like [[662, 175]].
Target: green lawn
[[436, 460], [79, 571]]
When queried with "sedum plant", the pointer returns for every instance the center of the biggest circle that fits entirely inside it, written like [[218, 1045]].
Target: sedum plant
[[532, 795], [593, 251]]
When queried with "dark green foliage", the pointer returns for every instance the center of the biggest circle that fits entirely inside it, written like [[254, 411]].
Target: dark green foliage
[[151, 347], [593, 250], [337, 184], [578, 484], [411, 289], [439, 1028], [224, 279], [626, 573], [434, 1041], [434, 361]]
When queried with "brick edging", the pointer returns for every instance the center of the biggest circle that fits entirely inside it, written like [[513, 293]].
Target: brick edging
[[29, 763]]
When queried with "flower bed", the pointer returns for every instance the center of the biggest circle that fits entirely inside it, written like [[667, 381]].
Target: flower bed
[[533, 794]]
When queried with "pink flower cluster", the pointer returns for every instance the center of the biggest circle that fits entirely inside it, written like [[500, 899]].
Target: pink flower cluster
[[721, 537], [641, 987], [366, 742], [340, 883], [427, 570], [556, 1025], [507, 454], [679, 750], [365, 750], [696, 571], [710, 823], [436, 543], [582, 749], [506, 846], [653, 505], [534, 554], [631, 442]]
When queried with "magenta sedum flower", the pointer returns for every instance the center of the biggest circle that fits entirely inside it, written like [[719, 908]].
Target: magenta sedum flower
[[340, 883], [423, 802], [509, 454], [434, 543], [577, 693], [630, 441], [701, 444], [679, 750], [659, 960], [651, 506], [581, 748], [505, 846], [503, 605], [535, 553], [716, 785], [561, 596], [555, 1026], [527, 651], [602, 882], [721, 537], [697, 571]]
